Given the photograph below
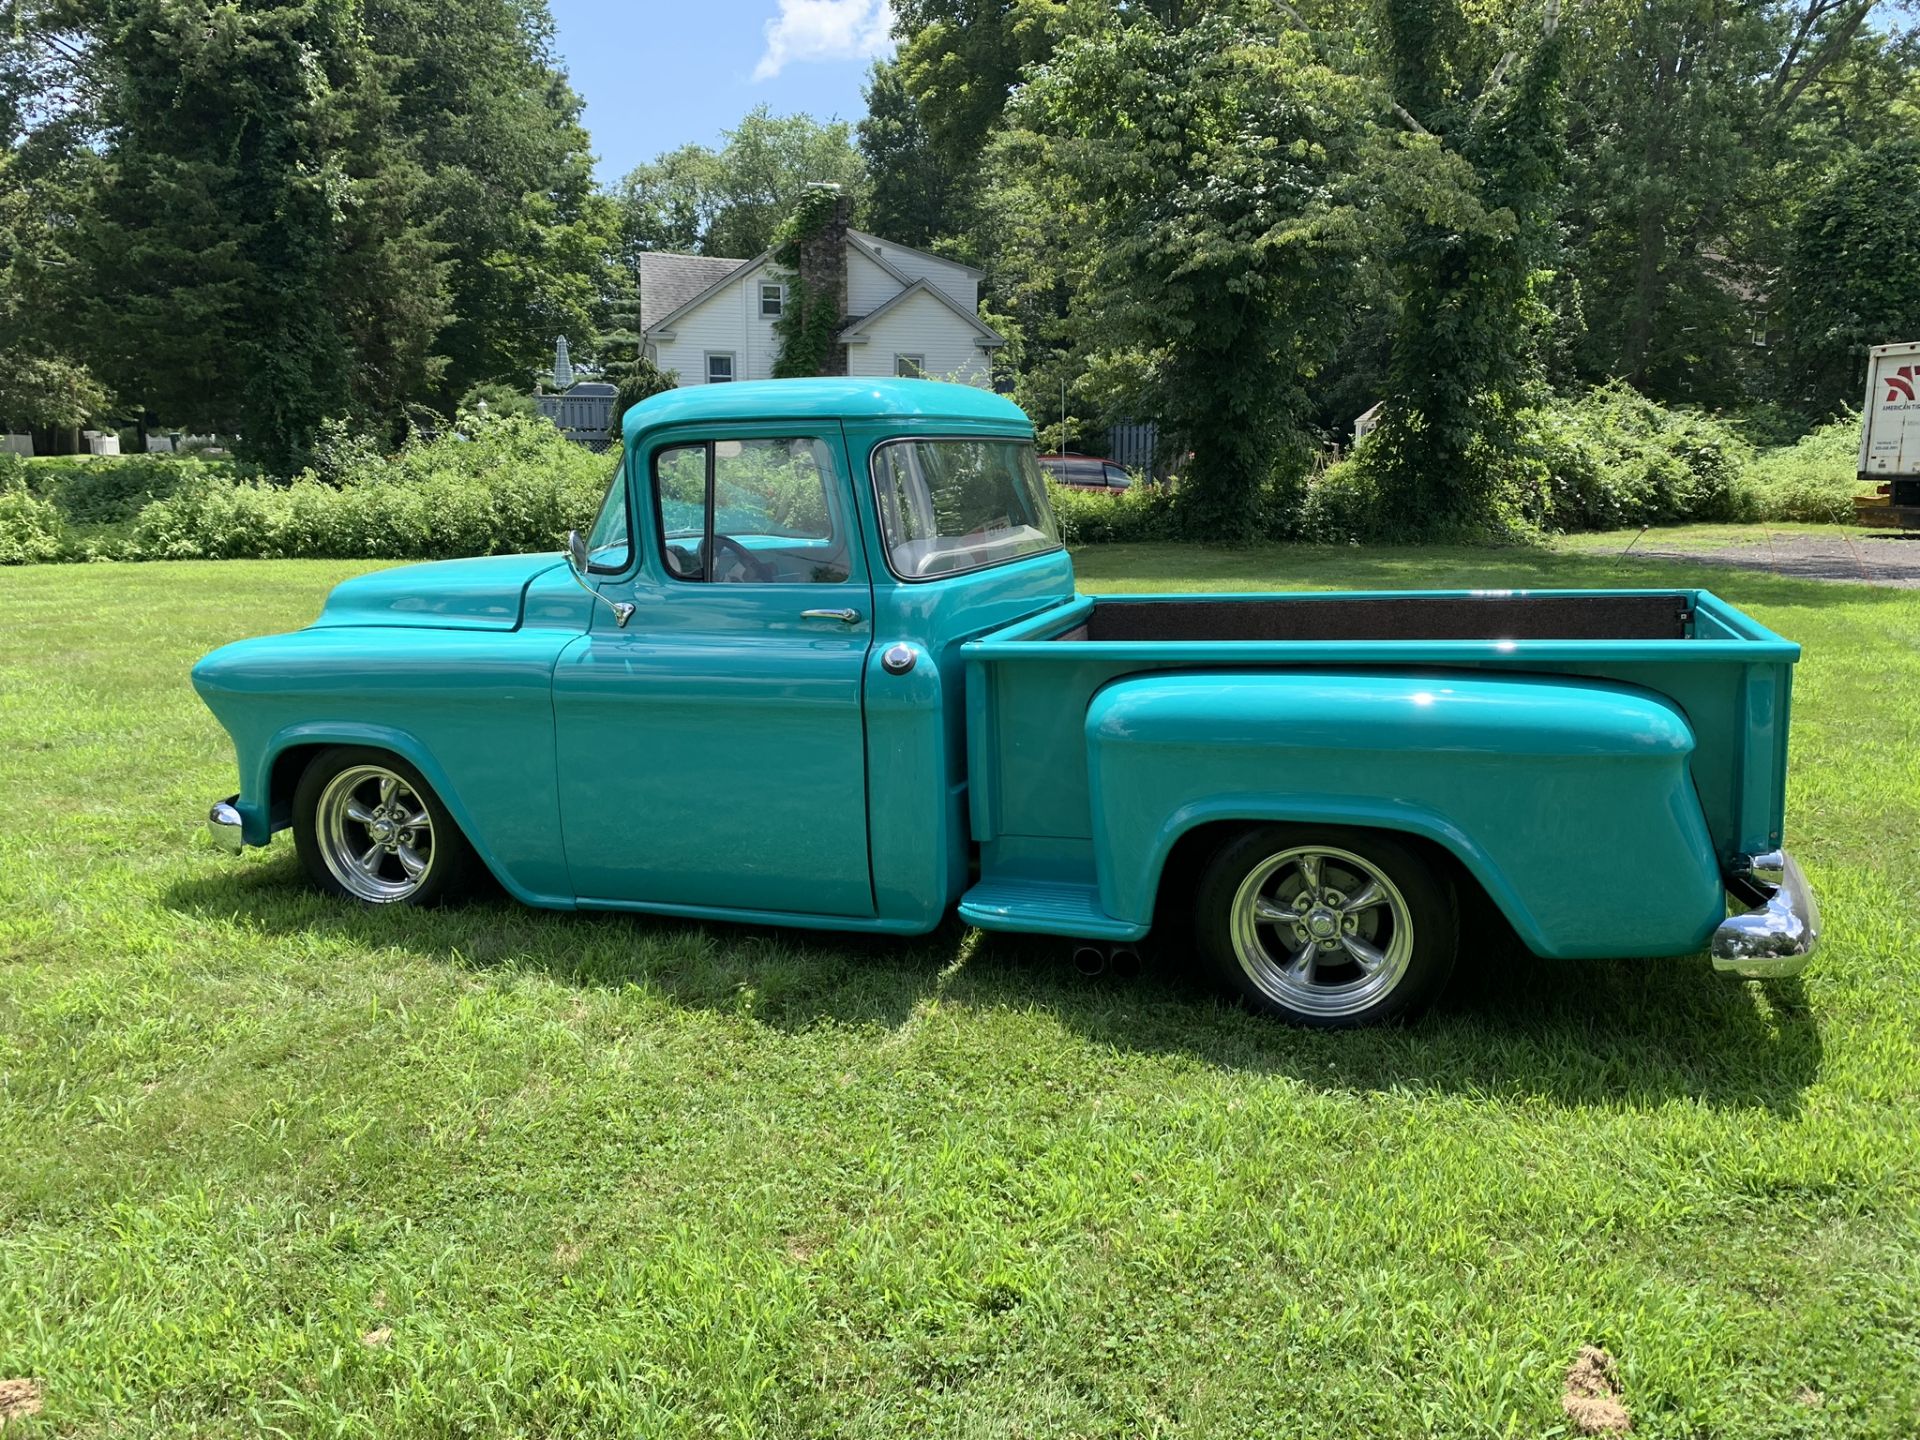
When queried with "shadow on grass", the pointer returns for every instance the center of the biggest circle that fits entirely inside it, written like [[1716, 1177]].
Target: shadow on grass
[[1625, 1034]]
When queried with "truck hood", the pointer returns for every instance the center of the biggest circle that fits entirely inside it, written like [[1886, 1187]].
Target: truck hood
[[483, 594]]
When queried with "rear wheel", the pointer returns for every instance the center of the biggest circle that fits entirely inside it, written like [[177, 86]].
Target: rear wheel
[[368, 827], [1326, 926]]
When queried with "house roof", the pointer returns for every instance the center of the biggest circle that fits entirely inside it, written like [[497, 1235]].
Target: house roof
[[670, 283], [983, 333], [875, 243]]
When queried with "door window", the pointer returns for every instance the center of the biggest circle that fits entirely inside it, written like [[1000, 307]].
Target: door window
[[756, 511]]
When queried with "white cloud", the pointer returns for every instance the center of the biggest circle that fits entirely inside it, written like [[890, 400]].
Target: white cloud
[[825, 30]]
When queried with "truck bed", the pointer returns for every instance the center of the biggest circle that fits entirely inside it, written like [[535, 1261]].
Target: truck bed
[[1574, 616], [1029, 686]]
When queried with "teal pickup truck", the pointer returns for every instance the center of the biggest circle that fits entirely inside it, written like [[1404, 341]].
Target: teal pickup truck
[[821, 662]]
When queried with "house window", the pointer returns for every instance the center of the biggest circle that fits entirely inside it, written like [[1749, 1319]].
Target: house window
[[910, 367], [719, 368], [1760, 327], [773, 301]]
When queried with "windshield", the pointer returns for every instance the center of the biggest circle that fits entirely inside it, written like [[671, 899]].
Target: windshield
[[953, 505], [610, 542]]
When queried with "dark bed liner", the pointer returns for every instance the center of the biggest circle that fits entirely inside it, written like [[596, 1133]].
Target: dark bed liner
[[1488, 617]]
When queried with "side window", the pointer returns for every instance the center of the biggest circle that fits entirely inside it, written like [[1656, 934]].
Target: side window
[[719, 368], [910, 367], [773, 300], [1118, 478], [755, 511]]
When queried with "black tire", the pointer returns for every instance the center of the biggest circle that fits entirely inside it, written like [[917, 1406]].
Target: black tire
[[327, 840], [1386, 959]]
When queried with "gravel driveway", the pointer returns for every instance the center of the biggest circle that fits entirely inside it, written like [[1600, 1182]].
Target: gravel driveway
[[1865, 558]]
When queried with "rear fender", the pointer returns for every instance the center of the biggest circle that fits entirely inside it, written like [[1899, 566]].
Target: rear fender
[[1570, 801]]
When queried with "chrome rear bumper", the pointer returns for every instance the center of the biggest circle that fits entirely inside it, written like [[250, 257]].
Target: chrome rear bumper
[[1777, 938], [223, 824]]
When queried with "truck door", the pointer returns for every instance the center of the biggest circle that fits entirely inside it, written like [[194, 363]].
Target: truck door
[[711, 752]]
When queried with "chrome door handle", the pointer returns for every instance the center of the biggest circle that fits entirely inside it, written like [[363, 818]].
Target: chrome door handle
[[845, 617]]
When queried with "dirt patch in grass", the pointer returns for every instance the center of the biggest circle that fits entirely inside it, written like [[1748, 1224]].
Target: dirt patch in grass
[[18, 1399], [1592, 1398], [375, 1339]]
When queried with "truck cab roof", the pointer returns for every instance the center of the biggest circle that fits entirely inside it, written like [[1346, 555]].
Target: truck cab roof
[[847, 398]]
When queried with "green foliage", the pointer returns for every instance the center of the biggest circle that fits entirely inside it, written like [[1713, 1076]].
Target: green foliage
[[1090, 517], [809, 324], [731, 201], [1854, 255], [1814, 479], [642, 380], [48, 391], [1614, 458], [1472, 190], [510, 484], [111, 490], [29, 525], [500, 398], [918, 195], [1199, 174]]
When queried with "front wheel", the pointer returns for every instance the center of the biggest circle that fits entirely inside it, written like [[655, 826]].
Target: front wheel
[[1326, 926], [368, 827]]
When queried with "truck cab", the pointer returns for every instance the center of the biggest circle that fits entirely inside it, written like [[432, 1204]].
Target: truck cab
[[820, 661]]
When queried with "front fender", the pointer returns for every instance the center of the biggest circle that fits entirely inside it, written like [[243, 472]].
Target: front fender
[[1569, 800], [472, 710]]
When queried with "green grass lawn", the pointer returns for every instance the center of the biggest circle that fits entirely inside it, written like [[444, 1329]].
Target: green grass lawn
[[270, 1165]]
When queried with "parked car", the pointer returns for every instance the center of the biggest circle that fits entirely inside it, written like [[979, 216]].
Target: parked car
[[1086, 472], [821, 662]]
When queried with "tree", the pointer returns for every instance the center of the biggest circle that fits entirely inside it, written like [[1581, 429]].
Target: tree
[[1686, 162], [216, 225], [526, 238], [44, 167], [731, 201], [917, 196], [1471, 183], [1201, 174], [1854, 253]]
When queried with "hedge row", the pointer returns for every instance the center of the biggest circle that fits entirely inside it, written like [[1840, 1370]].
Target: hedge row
[[508, 483], [1609, 459]]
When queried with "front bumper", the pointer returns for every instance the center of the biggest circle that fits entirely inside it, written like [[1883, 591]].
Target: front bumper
[[223, 824], [1776, 938]]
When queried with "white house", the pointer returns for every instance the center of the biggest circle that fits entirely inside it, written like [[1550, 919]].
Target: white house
[[908, 313]]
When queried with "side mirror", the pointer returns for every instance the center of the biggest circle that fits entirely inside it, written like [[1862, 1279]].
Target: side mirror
[[579, 559]]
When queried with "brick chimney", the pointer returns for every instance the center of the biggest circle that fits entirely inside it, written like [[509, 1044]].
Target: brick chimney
[[823, 269]]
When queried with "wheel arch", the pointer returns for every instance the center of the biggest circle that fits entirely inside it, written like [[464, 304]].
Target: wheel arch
[[1192, 837], [288, 755]]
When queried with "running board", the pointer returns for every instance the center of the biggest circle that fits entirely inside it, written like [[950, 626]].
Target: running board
[[1044, 907]]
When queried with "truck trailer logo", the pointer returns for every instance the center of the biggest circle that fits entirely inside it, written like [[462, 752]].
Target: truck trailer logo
[[1900, 383]]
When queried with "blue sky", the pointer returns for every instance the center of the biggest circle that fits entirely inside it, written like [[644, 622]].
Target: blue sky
[[659, 73]]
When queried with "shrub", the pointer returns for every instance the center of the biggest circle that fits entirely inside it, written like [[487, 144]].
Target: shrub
[[29, 526], [1342, 504], [1614, 458], [111, 490], [509, 484], [1814, 479], [1088, 517]]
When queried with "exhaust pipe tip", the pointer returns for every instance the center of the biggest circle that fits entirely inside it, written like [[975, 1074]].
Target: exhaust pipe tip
[[1089, 959], [1126, 962]]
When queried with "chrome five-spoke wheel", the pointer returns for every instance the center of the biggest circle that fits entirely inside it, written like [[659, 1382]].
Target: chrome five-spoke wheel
[[375, 833], [1326, 926], [369, 829], [1321, 930]]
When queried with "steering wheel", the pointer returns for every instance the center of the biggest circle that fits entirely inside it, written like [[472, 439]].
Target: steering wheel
[[756, 568]]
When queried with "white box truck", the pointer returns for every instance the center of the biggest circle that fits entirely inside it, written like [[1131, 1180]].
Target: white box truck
[[1890, 437]]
